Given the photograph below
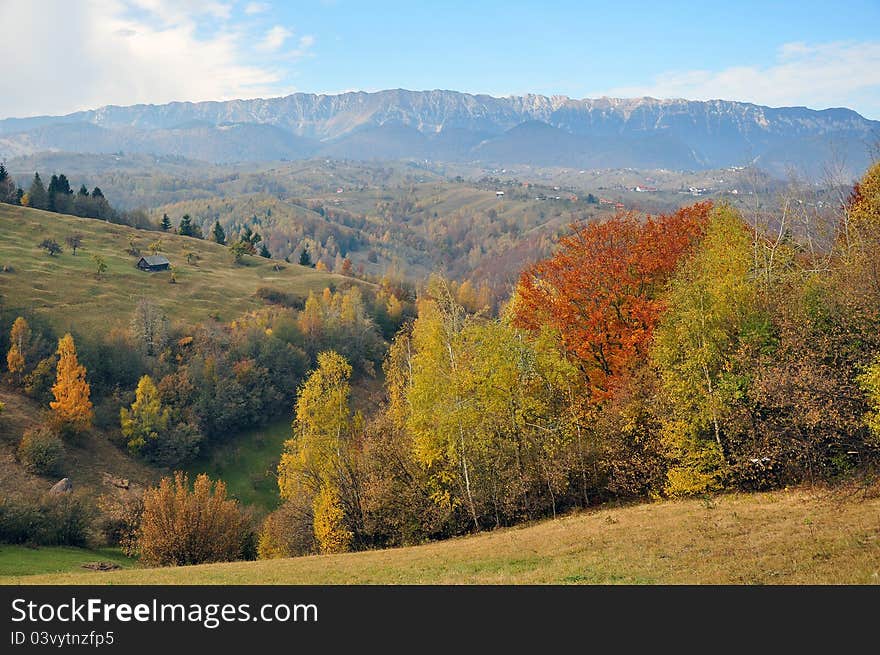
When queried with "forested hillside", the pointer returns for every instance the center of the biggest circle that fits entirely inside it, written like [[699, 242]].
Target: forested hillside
[[713, 348]]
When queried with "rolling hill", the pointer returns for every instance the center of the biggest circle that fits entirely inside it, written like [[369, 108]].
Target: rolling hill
[[451, 126], [66, 291], [785, 537]]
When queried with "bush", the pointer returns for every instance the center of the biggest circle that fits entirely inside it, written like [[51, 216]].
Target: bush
[[41, 451], [121, 516], [181, 527], [288, 531], [50, 520], [278, 297]]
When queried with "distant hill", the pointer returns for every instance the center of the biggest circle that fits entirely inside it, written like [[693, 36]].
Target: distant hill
[[453, 126], [65, 292]]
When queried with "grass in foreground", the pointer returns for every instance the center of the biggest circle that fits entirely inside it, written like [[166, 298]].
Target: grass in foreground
[[800, 537], [24, 560]]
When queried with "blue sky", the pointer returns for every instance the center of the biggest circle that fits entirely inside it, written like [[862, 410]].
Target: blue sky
[[818, 54]]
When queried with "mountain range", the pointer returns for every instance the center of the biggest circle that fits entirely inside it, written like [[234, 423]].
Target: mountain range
[[459, 127]]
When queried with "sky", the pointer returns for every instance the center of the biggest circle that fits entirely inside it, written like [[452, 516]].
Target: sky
[[66, 55]]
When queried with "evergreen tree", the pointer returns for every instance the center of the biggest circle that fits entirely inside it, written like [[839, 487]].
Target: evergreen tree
[[37, 196], [219, 234], [264, 252], [7, 187], [83, 191], [166, 223], [304, 259], [96, 193], [186, 227]]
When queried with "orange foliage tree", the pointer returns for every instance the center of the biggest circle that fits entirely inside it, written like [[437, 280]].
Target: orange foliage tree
[[601, 291], [72, 405]]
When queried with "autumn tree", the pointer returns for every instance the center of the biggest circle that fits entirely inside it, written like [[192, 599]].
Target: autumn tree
[[72, 406], [19, 348], [602, 290], [182, 526], [711, 311], [147, 421], [315, 462]]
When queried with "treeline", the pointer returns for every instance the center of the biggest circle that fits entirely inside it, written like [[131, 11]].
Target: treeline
[[59, 197], [683, 354]]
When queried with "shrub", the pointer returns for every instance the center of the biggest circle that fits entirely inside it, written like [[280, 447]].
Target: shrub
[[182, 526], [42, 451], [278, 297], [121, 516], [50, 520], [288, 531]]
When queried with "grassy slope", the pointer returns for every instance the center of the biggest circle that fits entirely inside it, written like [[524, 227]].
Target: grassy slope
[[64, 288], [21, 560], [782, 537], [248, 464], [87, 457]]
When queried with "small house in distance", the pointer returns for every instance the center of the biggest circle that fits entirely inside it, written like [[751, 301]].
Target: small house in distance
[[153, 263]]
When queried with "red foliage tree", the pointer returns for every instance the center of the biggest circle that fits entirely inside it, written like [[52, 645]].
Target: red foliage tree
[[601, 290]]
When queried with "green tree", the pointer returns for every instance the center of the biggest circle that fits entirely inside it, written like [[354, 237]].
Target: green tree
[[100, 266], [219, 234], [147, 421], [8, 190], [165, 224], [51, 246], [304, 258], [37, 196], [186, 227], [264, 252]]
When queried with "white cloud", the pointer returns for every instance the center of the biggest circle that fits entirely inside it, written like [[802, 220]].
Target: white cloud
[[275, 38], [253, 8], [814, 75], [125, 52]]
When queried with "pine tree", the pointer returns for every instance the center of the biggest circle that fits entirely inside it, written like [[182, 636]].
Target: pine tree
[[7, 187], [304, 259], [166, 223], [264, 252], [186, 226], [72, 405], [37, 196], [219, 234]]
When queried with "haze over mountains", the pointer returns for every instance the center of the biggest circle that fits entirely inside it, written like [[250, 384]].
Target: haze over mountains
[[459, 127]]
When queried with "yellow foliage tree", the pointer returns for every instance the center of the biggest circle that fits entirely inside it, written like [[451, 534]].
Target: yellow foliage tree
[[19, 339], [72, 405], [330, 531]]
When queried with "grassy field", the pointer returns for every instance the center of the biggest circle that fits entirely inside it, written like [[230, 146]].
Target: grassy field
[[65, 290], [248, 464], [22, 560], [801, 536]]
